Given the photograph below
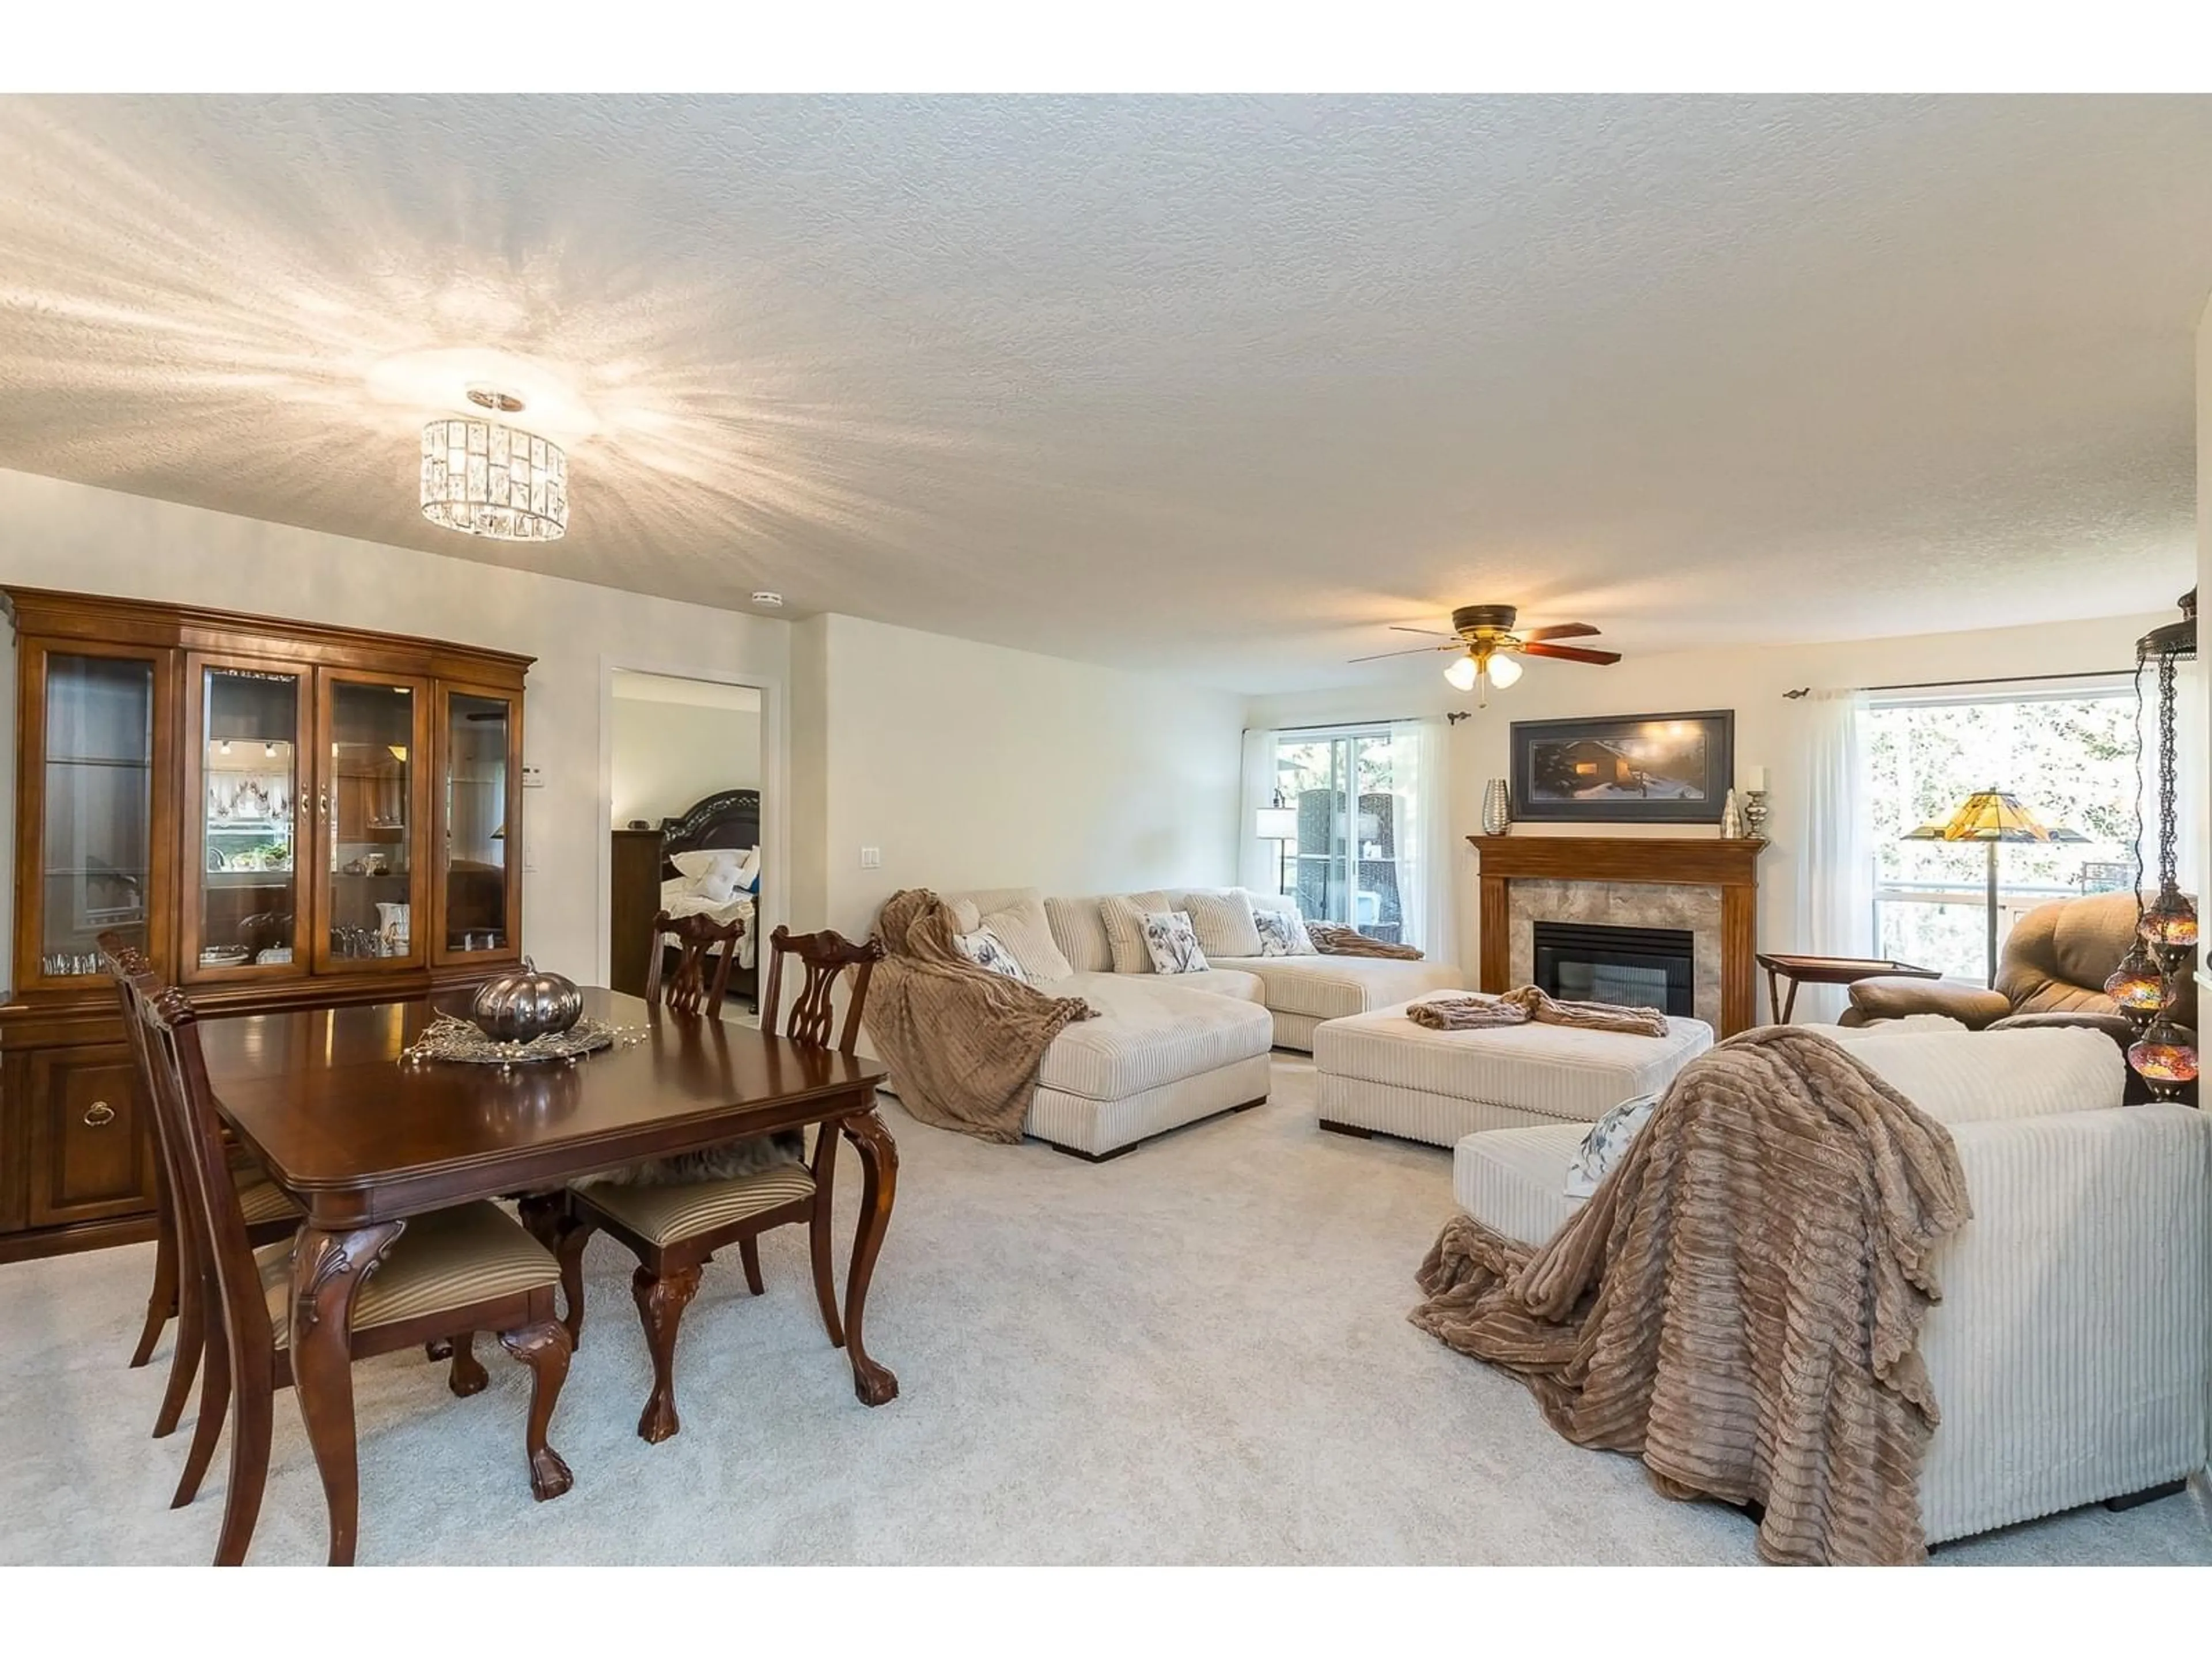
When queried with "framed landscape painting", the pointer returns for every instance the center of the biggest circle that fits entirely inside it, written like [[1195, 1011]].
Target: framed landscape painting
[[1624, 769]]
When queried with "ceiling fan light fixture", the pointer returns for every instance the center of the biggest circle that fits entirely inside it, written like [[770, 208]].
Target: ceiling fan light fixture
[[1504, 670], [1464, 671], [485, 479]]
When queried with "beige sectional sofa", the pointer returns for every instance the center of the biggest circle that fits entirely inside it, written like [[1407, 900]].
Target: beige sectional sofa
[[1164, 1052], [1299, 992], [2071, 1353], [1166, 1049]]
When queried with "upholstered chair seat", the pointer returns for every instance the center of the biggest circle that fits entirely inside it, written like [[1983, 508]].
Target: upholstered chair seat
[[261, 1201], [445, 1260], [667, 1215]]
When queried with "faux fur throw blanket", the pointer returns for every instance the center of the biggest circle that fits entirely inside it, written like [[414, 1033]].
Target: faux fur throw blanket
[[1472, 1012], [724, 1162], [1333, 939], [1740, 1303], [963, 1043]]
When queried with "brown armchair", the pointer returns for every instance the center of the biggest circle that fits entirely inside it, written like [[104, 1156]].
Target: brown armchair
[[2051, 972]]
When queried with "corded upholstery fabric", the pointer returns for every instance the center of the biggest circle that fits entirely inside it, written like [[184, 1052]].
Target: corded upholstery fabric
[[448, 1259]]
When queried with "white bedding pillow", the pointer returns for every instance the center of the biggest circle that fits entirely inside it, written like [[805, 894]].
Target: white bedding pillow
[[692, 865], [718, 885], [748, 873]]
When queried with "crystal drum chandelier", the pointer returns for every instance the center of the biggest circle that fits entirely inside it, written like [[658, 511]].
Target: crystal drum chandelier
[[487, 479]]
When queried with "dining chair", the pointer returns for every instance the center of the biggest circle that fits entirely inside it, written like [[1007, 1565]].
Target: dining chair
[[268, 1214], [702, 971], [449, 1273], [675, 1229]]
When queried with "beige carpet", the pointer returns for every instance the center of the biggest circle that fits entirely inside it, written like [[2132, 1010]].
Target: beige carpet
[[1196, 1353]]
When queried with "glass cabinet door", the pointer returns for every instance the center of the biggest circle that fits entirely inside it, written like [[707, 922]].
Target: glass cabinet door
[[243, 816], [370, 801], [479, 807], [101, 741]]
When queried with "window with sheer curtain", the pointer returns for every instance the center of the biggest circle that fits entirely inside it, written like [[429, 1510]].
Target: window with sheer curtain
[[1350, 823], [2068, 750]]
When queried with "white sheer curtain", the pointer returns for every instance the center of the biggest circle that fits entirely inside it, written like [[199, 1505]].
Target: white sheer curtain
[[1420, 769], [1259, 863], [1835, 876]]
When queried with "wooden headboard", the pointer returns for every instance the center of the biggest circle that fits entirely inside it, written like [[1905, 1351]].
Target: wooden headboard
[[729, 819]]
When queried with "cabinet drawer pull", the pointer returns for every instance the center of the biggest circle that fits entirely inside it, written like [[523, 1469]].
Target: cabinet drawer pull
[[99, 1116]]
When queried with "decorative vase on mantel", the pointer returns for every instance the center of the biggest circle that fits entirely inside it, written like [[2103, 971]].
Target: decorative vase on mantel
[[1496, 809], [1731, 818]]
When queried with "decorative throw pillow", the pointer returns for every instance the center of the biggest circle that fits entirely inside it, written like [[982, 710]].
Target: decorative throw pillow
[[1606, 1144], [1124, 915], [1223, 921], [986, 950], [718, 885], [1022, 928], [1172, 944], [1282, 933]]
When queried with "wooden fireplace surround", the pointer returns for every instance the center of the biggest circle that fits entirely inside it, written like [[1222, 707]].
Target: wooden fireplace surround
[[1732, 865]]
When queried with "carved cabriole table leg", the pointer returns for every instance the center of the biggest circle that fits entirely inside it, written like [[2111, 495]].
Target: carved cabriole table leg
[[545, 1348], [875, 1385], [328, 1266]]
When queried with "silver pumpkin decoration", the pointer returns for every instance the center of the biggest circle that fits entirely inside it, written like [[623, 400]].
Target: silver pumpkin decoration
[[526, 1004]]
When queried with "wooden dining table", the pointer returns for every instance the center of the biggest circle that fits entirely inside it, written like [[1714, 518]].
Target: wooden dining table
[[364, 1139]]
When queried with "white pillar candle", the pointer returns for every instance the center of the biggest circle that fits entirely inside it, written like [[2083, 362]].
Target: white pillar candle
[[1756, 778]]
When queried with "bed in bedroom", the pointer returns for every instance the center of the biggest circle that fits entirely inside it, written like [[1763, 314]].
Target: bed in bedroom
[[684, 867]]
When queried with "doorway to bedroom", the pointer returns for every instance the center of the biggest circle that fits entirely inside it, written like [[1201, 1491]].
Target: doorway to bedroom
[[686, 830]]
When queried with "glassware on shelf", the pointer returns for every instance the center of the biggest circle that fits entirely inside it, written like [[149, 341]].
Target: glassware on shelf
[[249, 725], [96, 839]]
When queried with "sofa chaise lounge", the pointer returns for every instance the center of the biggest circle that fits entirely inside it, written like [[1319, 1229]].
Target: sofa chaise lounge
[[2071, 1353]]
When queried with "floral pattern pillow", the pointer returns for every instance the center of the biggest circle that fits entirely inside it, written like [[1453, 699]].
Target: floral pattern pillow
[[1172, 943], [1282, 933], [988, 951], [1606, 1144]]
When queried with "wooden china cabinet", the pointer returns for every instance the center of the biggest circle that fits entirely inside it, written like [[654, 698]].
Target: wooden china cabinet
[[281, 814]]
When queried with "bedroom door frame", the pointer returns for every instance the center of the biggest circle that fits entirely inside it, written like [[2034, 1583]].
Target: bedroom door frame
[[773, 905]]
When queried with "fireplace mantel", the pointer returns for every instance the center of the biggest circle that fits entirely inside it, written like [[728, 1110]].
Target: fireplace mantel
[[1730, 865]]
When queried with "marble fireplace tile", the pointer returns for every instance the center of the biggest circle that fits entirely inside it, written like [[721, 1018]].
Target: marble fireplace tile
[[1695, 910]]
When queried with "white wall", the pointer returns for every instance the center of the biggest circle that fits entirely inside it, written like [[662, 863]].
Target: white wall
[[71, 536], [671, 749], [1769, 728], [971, 766]]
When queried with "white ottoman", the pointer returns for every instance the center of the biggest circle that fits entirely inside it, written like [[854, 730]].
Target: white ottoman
[[1380, 1073]]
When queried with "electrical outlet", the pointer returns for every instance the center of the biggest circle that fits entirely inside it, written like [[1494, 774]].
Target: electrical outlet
[[871, 858]]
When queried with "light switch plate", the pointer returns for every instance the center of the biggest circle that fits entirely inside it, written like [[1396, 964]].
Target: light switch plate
[[871, 858], [533, 777]]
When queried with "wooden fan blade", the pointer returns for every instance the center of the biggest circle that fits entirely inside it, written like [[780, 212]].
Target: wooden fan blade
[[1562, 631], [1432, 633], [1410, 651], [1571, 653]]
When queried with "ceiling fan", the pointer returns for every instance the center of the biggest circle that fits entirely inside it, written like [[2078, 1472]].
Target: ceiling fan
[[1487, 642]]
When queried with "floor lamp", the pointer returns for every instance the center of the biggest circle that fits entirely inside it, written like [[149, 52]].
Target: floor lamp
[[1995, 816], [1279, 823]]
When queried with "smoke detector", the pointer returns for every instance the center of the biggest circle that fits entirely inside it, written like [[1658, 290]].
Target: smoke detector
[[771, 600]]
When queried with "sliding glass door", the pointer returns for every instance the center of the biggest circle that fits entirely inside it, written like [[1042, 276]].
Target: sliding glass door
[[1341, 855]]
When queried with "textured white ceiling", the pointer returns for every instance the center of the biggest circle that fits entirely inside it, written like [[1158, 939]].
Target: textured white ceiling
[[1221, 385]]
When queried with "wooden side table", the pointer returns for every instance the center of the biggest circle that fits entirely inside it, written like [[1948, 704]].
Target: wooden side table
[[1825, 970]]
